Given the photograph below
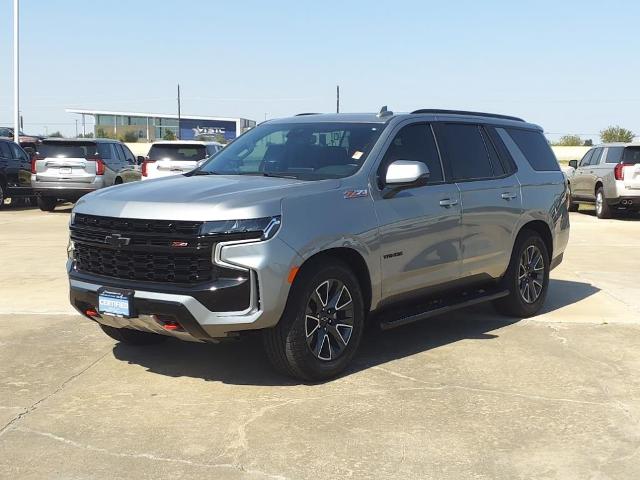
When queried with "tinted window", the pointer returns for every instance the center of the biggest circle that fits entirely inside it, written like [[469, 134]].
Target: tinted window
[[465, 151], [128, 156], [119, 152], [508, 163], [177, 152], [309, 151], [614, 154], [416, 143], [631, 155], [586, 158], [595, 158], [535, 148], [67, 149], [16, 151], [498, 168], [104, 149], [4, 150]]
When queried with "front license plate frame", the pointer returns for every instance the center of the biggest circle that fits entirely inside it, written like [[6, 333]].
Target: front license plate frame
[[116, 302]]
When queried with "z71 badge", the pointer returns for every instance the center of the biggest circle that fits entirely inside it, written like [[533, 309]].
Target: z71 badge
[[349, 194]]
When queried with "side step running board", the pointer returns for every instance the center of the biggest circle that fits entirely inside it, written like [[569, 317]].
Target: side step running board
[[441, 306]]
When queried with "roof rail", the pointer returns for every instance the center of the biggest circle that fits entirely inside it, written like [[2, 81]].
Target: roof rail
[[463, 112], [307, 113]]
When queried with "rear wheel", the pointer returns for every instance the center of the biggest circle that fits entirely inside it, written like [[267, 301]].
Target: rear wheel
[[132, 337], [602, 207], [527, 277], [322, 324], [47, 204]]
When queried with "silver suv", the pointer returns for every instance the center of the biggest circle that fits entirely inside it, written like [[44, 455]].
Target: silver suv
[[306, 228], [609, 177], [66, 169]]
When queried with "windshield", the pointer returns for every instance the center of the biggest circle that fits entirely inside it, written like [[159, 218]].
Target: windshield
[[180, 152], [308, 151]]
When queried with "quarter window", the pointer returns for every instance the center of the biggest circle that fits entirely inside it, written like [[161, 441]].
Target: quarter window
[[535, 148], [465, 151], [614, 154], [416, 143]]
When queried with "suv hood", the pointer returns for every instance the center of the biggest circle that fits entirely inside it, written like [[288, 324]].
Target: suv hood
[[212, 197]]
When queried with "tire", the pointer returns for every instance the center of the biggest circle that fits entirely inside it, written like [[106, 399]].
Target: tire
[[573, 206], [603, 210], [47, 204], [132, 337], [118, 181], [531, 251], [309, 341]]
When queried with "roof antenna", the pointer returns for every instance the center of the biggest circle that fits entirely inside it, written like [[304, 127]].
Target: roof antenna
[[384, 112]]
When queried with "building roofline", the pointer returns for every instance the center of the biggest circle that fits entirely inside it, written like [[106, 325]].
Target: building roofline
[[148, 114]]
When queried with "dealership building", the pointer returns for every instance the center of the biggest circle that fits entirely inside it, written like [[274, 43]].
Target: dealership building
[[151, 126]]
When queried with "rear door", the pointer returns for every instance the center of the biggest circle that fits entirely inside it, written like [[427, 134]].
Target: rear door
[[490, 197], [69, 161], [174, 158], [419, 227]]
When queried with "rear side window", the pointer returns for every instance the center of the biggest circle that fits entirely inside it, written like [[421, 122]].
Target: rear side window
[[67, 149], [465, 151], [183, 152], [4, 150], [595, 158], [614, 154], [104, 149], [415, 142], [535, 148]]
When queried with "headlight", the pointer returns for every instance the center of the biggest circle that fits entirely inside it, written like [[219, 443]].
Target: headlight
[[254, 228]]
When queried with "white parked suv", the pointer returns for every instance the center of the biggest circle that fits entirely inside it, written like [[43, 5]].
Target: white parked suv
[[609, 177], [176, 157]]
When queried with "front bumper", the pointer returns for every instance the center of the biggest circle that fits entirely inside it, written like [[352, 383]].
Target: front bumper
[[208, 312]]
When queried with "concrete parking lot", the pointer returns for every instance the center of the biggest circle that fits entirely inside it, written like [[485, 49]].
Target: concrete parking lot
[[470, 395]]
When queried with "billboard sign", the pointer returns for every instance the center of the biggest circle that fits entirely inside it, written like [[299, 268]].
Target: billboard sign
[[191, 129]]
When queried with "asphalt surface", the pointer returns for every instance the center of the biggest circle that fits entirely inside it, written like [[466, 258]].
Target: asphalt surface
[[470, 395]]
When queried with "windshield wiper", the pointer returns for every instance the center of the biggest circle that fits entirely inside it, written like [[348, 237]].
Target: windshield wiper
[[201, 172], [279, 175]]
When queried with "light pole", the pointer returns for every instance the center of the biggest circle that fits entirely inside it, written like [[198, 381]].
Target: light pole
[[16, 76]]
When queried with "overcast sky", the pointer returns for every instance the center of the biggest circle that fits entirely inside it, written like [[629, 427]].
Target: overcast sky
[[572, 67]]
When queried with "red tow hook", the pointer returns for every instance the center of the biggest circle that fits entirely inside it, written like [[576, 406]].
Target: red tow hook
[[91, 312], [168, 324]]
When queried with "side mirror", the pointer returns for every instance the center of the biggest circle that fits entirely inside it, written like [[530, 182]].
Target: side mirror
[[140, 160], [406, 173], [573, 163]]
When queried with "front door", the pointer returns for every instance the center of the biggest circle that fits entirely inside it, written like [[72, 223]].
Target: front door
[[419, 227]]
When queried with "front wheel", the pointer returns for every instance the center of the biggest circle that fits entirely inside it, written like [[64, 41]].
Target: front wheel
[[322, 324], [573, 206], [527, 277]]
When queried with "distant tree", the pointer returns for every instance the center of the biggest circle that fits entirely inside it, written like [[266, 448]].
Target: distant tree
[[102, 133], [56, 135], [616, 133], [569, 141], [86, 135], [169, 135], [129, 137], [588, 143], [220, 138]]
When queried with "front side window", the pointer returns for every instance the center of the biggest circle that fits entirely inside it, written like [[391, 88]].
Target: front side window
[[307, 151], [587, 157], [465, 151], [415, 142]]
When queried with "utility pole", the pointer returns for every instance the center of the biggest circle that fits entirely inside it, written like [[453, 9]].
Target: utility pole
[[337, 98], [76, 128], [178, 112], [84, 127], [16, 75]]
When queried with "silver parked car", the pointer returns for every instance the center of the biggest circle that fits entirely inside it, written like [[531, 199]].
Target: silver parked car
[[306, 228], [609, 177], [66, 169], [176, 157]]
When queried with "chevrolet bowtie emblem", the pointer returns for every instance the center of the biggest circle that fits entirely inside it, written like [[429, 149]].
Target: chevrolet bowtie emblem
[[116, 240]]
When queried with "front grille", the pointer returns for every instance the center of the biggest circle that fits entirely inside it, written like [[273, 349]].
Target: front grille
[[143, 250]]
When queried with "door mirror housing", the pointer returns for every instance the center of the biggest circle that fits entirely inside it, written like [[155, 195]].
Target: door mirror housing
[[140, 160], [573, 163], [406, 174]]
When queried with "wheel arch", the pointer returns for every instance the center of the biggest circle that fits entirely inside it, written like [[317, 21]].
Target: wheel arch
[[542, 229], [354, 260]]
